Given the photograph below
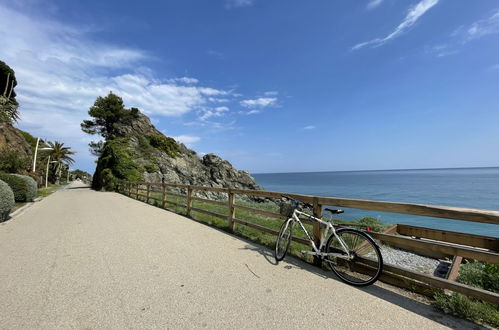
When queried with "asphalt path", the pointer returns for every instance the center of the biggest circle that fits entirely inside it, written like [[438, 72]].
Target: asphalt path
[[81, 259]]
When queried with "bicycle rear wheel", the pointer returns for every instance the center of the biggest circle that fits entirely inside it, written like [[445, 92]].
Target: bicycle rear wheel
[[366, 263], [283, 240]]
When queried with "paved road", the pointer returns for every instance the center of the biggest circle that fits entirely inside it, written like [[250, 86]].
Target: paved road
[[81, 259]]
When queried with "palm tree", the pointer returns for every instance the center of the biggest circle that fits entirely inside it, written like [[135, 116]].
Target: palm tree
[[60, 155]]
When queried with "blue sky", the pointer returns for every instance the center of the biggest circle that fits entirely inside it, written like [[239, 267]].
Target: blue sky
[[272, 86]]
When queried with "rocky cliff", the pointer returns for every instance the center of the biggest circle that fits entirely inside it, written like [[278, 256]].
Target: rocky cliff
[[144, 153]]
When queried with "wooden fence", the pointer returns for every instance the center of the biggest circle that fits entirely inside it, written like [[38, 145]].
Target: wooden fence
[[424, 241]]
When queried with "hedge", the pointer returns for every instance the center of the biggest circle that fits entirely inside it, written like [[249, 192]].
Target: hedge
[[6, 200], [24, 187]]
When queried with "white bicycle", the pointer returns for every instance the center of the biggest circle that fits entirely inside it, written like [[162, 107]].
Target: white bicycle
[[350, 253]]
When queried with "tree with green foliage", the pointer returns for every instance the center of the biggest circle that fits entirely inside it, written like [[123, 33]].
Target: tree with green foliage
[[107, 111], [61, 155], [115, 163], [8, 105]]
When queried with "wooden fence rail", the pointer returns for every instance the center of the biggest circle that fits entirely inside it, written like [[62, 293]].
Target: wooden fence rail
[[424, 241]]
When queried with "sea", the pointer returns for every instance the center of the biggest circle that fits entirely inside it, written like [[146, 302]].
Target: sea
[[462, 187]]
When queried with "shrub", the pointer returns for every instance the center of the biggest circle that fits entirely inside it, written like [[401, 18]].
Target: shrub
[[6, 200], [163, 143], [11, 161], [31, 187], [115, 164], [151, 168], [374, 223], [481, 275], [24, 187]]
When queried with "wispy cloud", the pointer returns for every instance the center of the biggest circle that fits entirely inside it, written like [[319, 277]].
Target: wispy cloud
[[213, 112], [411, 18], [483, 27], [466, 34], [238, 3], [271, 93], [373, 4], [260, 102], [188, 140], [309, 127], [251, 112]]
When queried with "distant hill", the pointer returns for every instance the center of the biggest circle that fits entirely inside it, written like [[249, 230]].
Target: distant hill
[[139, 152]]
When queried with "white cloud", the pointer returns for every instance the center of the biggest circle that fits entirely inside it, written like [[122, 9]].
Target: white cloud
[[213, 112], [238, 3], [465, 34], [188, 140], [373, 4], [483, 27], [185, 80], [309, 127], [61, 69], [411, 18], [251, 112], [271, 93], [261, 102]]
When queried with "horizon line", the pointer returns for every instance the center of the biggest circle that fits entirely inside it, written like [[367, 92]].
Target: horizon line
[[384, 170]]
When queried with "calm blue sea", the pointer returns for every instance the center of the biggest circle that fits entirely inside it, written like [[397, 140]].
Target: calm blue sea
[[463, 187]]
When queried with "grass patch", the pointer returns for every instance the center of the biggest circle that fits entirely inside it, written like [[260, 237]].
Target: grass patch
[[480, 275], [44, 192]]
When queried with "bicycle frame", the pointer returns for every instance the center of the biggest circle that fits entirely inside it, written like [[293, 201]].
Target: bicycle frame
[[329, 227]]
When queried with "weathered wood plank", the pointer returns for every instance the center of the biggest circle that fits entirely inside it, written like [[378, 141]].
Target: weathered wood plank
[[456, 213], [486, 242], [218, 215], [454, 269], [262, 212], [176, 204], [210, 201], [446, 248], [269, 230]]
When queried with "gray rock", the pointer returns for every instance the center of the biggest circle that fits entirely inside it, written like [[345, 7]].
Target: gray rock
[[187, 168]]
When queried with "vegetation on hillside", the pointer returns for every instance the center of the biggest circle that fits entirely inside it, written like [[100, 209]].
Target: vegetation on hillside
[[8, 104], [480, 275], [116, 154]]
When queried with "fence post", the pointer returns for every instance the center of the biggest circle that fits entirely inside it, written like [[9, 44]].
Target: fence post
[[317, 229], [148, 192], [189, 201], [137, 191], [163, 198], [232, 210]]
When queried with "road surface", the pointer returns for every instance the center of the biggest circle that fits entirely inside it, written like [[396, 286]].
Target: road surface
[[81, 259]]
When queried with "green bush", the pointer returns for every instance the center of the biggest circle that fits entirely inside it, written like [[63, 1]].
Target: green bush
[[481, 275], [11, 161], [115, 164], [6, 200], [151, 168], [24, 187], [31, 186], [163, 143]]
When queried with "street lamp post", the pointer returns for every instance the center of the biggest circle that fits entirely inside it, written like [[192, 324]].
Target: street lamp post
[[36, 152], [47, 171]]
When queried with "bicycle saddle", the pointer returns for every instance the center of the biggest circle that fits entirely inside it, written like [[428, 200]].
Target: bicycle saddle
[[334, 211]]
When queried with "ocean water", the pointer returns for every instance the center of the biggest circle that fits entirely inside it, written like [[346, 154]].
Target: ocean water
[[463, 187]]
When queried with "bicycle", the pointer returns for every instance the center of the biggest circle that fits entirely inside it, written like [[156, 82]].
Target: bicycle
[[350, 253]]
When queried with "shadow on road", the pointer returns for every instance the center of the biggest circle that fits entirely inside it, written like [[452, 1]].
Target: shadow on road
[[407, 303], [376, 290]]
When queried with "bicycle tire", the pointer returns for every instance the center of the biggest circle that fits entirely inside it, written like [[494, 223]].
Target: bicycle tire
[[363, 269], [283, 240]]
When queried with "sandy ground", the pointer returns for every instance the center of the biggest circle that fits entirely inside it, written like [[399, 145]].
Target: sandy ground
[[81, 259]]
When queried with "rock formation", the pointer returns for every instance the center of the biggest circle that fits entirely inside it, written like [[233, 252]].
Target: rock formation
[[175, 164]]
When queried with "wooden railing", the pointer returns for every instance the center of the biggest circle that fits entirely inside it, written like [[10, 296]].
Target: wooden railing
[[425, 241]]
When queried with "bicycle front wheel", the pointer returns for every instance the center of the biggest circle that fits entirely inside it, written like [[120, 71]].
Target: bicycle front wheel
[[283, 240], [365, 263]]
